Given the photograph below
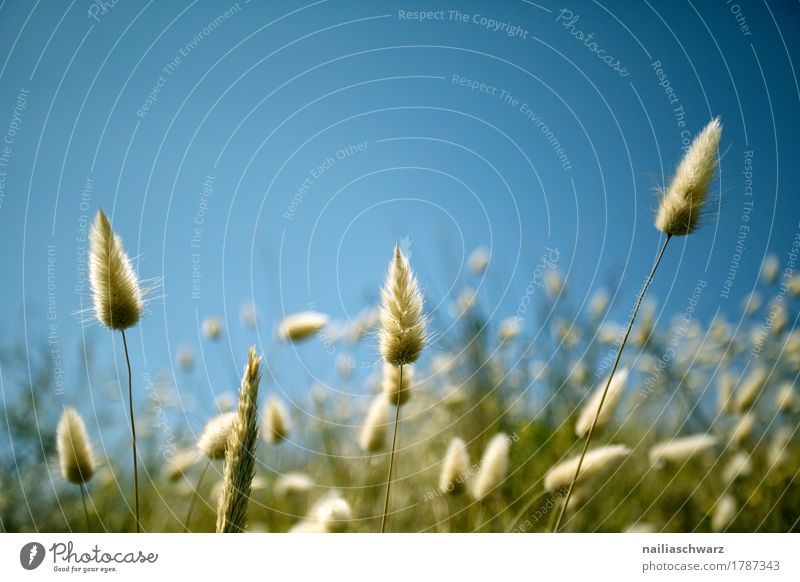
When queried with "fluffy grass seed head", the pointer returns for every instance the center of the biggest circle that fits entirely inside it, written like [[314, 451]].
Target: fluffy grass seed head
[[116, 294], [750, 389], [373, 433], [594, 464], [276, 421], [613, 396], [681, 205], [725, 385], [180, 464], [724, 513], [742, 429], [598, 305], [681, 449], [212, 328], [300, 326], [185, 358], [778, 450], [396, 394], [752, 303], [786, 398], [214, 438], [240, 453], [478, 260], [553, 283], [493, 467], [291, 484], [508, 329], [455, 467], [738, 466], [770, 269], [333, 514], [402, 333], [74, 450]]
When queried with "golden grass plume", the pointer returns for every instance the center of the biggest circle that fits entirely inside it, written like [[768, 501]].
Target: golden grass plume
[[402, 334], [595, 463], [74, 449], [240, 453], [681, 205], [116, 294]]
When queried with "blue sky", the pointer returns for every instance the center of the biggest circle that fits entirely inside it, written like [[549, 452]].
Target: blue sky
[[324, 132]]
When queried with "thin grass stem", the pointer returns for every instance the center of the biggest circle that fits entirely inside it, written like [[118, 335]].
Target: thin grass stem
[[195, 495], [608, 383], [85, 509], [391, 455], [133, 432]]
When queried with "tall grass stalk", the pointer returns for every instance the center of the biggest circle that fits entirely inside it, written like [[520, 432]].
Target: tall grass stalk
[[133, 433], [588, 440], [85, 509], [118, 302], [391, 456], [401, 338], [195, 495]]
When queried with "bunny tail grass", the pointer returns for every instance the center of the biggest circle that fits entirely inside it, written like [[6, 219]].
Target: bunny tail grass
[[608, 383], [116, 293], [402, 334], [682, 204], [240, 453], [74, 450]]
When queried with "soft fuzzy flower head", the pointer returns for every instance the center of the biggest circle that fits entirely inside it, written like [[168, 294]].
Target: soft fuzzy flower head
[[240, 452], [599, 303], [455, 467], [333, 514], [613, 396], [682, 203], [493, 468], [276, 421], [74, 450], [214, 438], [786, 398], [180, 464], [116, 294], [750, 389], [725, 385], [596, 462], [770, 269], [397, 394], [742, 429], [738, 466], [212, 328], [509, 329], [778, 450], [402, 334], [724, 513], [681, 449], [478, 260], [303, 325], [292, 484], [752, 303], [373, 433], [553, 283], [185, 358], [248, 314]]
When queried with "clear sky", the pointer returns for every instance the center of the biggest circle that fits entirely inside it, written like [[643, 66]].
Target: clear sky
[[274, 152]]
